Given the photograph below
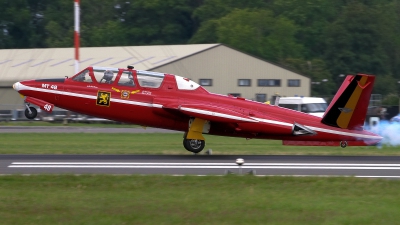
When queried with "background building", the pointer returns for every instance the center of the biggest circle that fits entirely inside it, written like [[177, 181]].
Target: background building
[[220, 69]]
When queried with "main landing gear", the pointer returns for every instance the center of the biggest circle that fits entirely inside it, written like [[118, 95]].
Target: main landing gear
[[193, 140], [30, 112], [193, 145]]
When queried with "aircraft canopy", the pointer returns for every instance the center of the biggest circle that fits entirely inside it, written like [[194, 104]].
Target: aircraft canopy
[[148, 79]]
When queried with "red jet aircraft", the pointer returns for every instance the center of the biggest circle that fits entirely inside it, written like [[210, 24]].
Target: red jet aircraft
[[173, 102]]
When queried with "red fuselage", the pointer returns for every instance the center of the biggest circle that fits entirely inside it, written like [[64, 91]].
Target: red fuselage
[[171, 107]]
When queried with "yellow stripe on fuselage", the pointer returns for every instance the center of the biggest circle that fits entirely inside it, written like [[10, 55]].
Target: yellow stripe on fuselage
[[345, 117]]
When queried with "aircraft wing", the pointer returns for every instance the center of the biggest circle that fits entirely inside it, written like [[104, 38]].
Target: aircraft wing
[[211, 113]]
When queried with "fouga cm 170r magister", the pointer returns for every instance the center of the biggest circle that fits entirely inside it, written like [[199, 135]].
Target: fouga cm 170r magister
[[173, 102]]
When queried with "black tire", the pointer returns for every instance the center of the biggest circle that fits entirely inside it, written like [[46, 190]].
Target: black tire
[[184, 144], [193, 145], [343, 144], [31, 115]]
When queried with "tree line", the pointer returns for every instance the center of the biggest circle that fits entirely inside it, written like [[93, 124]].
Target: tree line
[[321, 39]]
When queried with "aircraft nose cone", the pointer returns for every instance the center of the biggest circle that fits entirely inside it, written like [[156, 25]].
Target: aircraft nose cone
[[17, 86]]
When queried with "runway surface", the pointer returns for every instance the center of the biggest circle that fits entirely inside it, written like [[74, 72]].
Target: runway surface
[[359, 166]]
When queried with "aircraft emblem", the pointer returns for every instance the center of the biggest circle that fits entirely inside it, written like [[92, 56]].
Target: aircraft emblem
[[345, 110], [103, 98], [125, 94]]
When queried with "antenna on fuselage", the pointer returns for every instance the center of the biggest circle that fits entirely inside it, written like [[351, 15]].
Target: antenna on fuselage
[[277, 100]]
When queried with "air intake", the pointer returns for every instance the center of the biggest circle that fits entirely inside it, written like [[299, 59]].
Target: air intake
[[302, 130]]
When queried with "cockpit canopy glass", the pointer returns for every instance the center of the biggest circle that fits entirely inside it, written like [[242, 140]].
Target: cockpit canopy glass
[[83, 77], [126, 79], [185, 83], [149, 79]]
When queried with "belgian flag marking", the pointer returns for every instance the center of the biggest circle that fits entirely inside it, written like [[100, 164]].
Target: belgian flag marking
[[347, 112]]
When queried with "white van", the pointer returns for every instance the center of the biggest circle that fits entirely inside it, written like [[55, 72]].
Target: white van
[[310, 105]]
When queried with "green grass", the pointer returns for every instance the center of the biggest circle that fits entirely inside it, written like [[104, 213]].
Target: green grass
[[34, 123], [161, 143], [157, 143], [103, 199], [135, 199]]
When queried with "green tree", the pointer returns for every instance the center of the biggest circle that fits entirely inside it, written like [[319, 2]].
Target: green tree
[[215, 9], [353, 42], [385, 85], [59, 18], [312, 17], [256, 32], [206, 16], [22, 24], [390, 33], [157, 21], [112, 33], [101, 25]]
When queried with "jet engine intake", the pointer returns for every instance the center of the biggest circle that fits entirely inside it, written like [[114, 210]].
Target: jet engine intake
[[299, 129]]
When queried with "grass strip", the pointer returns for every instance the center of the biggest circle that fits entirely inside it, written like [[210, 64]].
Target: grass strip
[[107, 199], [34, 123], [162, 143]]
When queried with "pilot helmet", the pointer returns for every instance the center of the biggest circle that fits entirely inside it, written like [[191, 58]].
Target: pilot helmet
[[108, 75], [80, 77]]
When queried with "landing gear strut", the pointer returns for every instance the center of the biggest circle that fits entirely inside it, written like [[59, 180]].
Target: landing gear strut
[[30, 112], [193, 145]]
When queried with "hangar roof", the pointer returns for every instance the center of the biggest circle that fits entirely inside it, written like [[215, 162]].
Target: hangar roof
[[22, 64]]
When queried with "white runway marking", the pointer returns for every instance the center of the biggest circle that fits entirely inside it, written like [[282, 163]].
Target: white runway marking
[[308, 166]]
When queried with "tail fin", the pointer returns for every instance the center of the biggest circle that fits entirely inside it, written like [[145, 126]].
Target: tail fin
[[348, 108]]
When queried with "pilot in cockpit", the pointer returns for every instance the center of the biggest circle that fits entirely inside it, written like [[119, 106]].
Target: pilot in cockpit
[[81, 77], [108, 77]]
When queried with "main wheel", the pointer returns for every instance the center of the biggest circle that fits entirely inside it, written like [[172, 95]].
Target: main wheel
[[343, 144], [193, 145], [31, 115]]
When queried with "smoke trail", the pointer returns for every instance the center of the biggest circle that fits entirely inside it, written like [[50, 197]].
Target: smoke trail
[[390, 131]]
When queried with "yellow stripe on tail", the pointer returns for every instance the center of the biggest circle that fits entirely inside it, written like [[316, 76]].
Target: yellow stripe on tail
[[347, 112]]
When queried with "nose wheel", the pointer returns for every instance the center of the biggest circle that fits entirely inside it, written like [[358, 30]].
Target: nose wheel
[[30, 113], [193, 145]]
